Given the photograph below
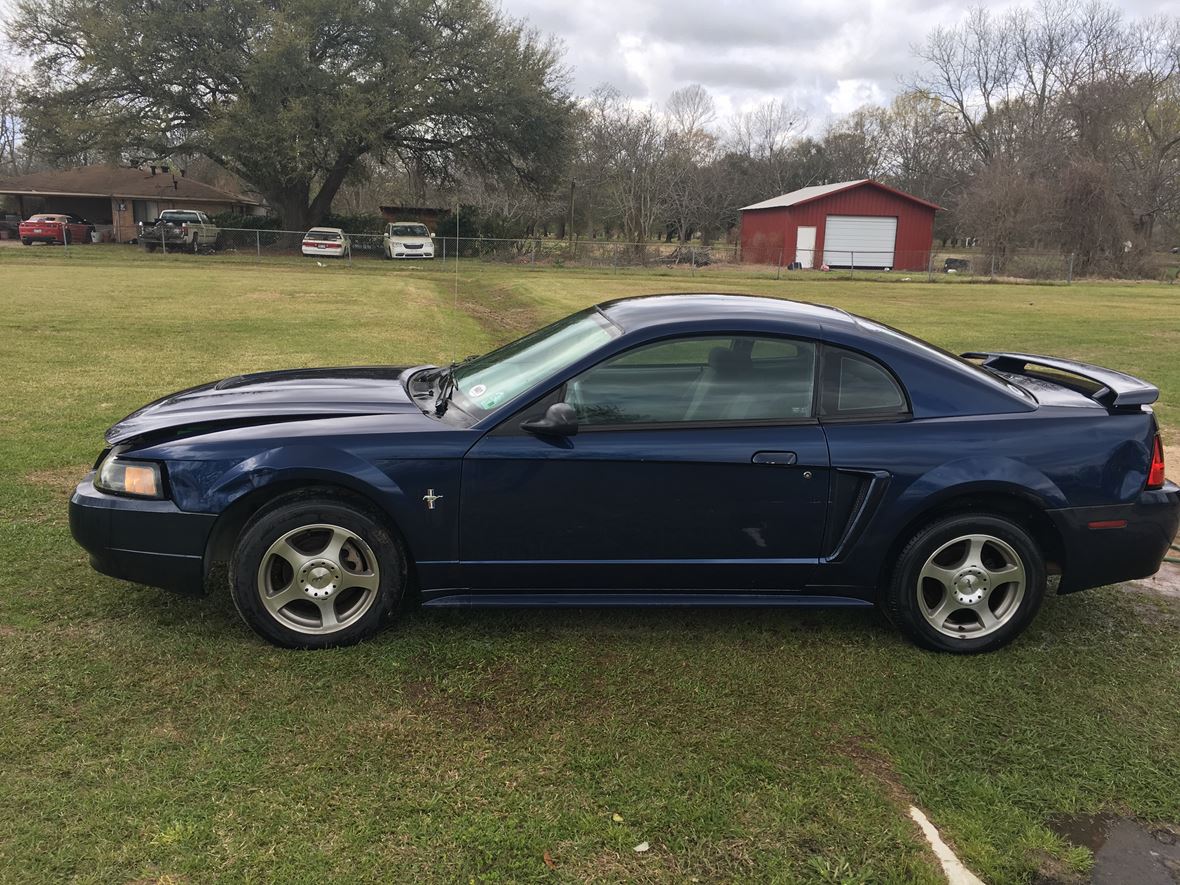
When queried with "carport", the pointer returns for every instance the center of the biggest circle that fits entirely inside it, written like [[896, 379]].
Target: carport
[[114, 198]]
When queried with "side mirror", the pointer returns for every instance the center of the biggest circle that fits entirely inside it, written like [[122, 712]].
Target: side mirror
[[560, 419]]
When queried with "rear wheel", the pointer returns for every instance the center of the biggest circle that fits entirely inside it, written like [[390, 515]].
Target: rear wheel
[[26, 241], [316, 572], [967, 584]]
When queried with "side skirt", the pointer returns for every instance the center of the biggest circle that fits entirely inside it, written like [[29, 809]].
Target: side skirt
[[733, 599]]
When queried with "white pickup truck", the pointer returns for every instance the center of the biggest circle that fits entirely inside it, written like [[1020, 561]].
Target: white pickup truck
[[179, 229]]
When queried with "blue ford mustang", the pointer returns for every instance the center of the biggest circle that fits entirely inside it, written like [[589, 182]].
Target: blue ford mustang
[[667, 450]]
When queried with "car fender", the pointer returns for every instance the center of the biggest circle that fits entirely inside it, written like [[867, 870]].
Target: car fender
[[308, 465], [975, 475], [293, 462]]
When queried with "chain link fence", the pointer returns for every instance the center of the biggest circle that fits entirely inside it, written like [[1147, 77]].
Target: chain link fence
[[947, 264]]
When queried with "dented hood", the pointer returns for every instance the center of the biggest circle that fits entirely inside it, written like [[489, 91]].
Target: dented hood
[[266, 397]]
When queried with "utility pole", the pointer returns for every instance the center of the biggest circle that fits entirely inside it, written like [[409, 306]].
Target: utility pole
[[573, 184]]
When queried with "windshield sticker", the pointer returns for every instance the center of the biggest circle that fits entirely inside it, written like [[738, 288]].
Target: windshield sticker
[[477, 390], [492, 401]]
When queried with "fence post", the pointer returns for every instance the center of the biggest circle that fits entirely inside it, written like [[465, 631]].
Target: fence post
[[993, 273], [692, 256], [851, 264], [778, 275], [444, 255], [258, 244], [930, 268], [533, 260], [1069, 274], [163, 239]]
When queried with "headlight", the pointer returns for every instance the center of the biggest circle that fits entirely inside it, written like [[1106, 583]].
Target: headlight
[[142, 479]]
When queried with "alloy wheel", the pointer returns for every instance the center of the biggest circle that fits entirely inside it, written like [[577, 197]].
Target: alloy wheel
[[971, 586], [318, 578]]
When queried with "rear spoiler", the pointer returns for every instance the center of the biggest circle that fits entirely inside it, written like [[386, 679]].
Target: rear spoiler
[[1117, 390]]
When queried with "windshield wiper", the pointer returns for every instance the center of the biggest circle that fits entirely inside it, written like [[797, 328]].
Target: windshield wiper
[[446, 386]]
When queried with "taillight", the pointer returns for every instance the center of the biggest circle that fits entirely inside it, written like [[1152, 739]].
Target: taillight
[[1155, 475]]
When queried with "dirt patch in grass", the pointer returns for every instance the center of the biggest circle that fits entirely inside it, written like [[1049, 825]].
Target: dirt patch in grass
[[502, 309], [877, 767], [62, 479], [1165, 582]]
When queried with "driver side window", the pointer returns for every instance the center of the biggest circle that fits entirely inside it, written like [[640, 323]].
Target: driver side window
[[716, 379]]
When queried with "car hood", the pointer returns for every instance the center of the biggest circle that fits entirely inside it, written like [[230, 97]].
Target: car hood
[[266, 397]]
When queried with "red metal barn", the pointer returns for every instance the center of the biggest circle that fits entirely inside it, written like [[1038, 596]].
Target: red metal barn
[[849, 224]]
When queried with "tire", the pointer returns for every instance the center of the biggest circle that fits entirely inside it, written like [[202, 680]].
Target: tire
[[966, 584], [26, 241], [66, 239], [328, 599], [195, 245]]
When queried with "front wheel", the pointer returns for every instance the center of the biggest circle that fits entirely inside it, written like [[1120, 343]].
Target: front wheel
[[26, 241], [316, 572], [967, 584]]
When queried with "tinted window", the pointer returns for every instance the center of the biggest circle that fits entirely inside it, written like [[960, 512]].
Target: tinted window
[[855, 385], [688, 380]]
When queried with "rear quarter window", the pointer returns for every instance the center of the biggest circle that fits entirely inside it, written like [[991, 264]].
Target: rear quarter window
[[857, 386]]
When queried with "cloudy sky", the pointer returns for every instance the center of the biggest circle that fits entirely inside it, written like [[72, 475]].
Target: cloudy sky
[[826, 56]]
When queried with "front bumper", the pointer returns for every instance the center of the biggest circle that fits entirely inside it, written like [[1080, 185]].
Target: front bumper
[[1128, 542], [148, 542]]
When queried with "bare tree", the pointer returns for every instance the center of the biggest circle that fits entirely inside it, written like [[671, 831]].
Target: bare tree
[[11, 159], [767, 130]]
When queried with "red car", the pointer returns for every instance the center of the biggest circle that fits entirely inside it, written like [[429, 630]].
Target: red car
[[55, 227]]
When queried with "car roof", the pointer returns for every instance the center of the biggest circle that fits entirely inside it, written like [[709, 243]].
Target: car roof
[[654, 310]]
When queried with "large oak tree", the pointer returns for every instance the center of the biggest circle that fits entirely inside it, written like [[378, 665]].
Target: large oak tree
[[291, 94]]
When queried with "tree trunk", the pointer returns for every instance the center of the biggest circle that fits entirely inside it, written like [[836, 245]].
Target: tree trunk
[[294, 204]]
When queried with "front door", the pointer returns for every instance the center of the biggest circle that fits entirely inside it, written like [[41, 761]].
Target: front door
[[805, 247], [698, 465]]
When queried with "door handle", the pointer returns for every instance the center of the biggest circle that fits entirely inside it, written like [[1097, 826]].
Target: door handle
[[774, 459]]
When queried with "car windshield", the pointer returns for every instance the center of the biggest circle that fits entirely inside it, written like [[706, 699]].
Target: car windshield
[[408, 230], [488, 381]]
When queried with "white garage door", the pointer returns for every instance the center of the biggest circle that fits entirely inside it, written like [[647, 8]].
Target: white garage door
[[860, 240]]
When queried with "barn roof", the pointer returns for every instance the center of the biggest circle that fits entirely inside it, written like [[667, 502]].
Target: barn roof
[[117, 181], [807, 194]]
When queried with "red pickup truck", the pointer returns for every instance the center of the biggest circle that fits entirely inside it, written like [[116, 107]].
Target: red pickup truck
[[55, 227]]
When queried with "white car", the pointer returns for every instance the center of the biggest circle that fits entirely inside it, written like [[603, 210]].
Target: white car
[[405, 239], [328, 241]]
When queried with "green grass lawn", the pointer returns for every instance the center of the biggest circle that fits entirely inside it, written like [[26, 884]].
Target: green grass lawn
[[145, 736]]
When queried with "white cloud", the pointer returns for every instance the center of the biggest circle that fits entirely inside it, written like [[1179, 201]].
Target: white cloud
[[826, 56]]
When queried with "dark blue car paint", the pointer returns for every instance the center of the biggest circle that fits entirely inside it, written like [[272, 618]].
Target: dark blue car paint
[[642, 514]]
